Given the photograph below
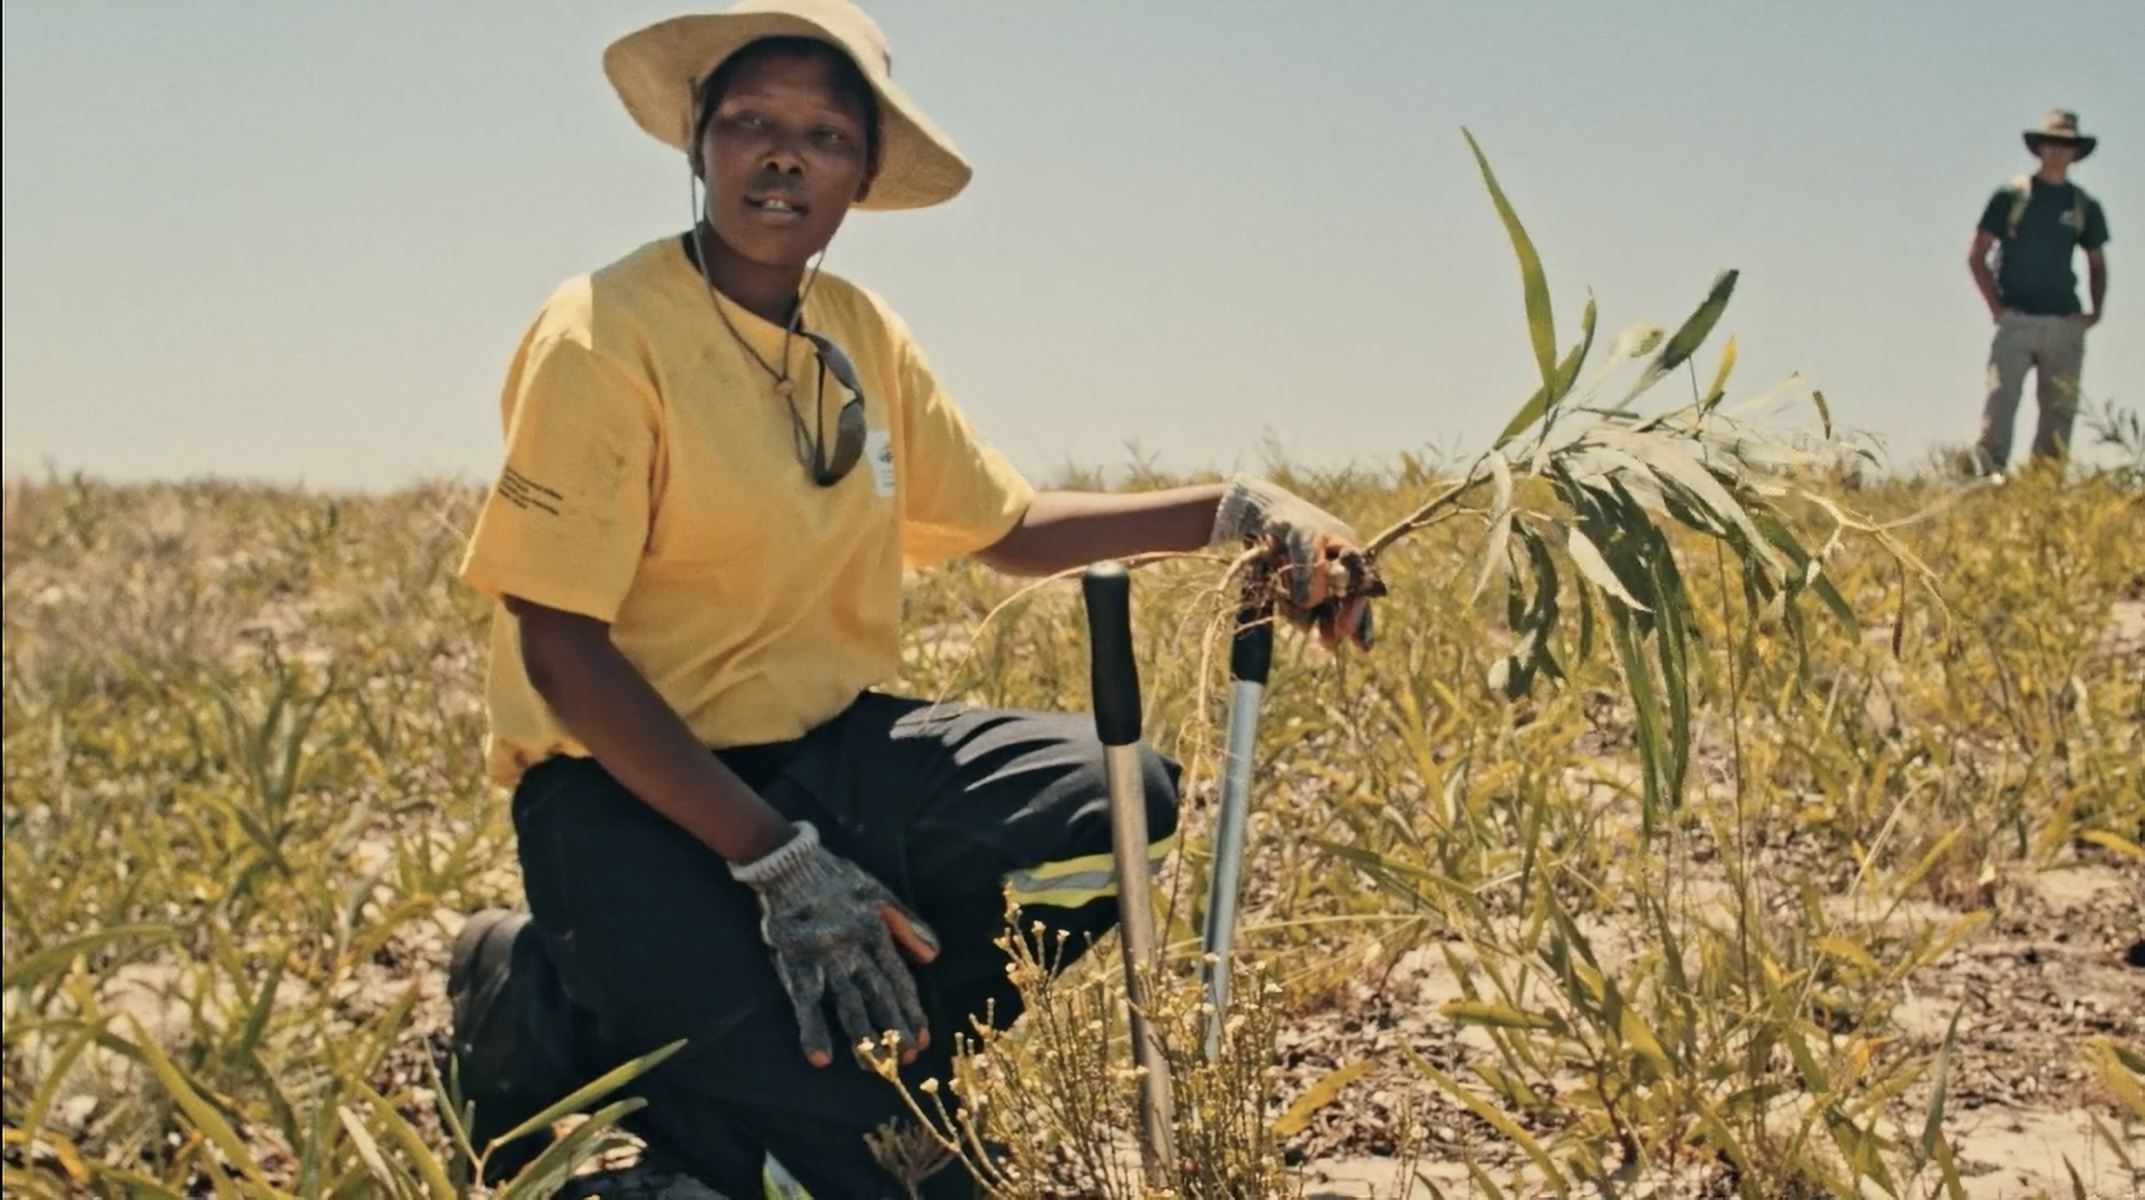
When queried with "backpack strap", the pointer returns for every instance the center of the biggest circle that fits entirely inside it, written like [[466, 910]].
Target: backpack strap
[[2020, 189]]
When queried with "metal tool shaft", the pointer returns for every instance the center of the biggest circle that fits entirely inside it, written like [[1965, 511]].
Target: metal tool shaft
[[1114, 678], [1250, 660]]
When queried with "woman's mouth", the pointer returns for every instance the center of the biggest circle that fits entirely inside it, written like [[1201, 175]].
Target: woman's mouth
[[775, 206]]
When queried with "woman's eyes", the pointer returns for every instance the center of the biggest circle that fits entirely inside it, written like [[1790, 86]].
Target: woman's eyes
[[748, 121]]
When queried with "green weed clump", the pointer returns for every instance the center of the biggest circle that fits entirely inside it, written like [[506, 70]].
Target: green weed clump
[[1690, 749]]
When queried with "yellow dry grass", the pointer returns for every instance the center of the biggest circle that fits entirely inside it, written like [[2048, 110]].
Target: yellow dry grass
[[243, 804]]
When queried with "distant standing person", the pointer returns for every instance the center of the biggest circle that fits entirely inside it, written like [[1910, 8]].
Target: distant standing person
[[2037, 223]]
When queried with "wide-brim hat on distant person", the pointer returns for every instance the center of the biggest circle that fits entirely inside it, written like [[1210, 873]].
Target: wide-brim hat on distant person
[[2060, 126], [657, 70]]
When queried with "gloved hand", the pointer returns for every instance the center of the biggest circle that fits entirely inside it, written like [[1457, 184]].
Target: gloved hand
[[1325, 580], [833, 930]]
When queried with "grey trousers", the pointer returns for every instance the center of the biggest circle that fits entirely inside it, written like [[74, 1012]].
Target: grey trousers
[[2053, 348]]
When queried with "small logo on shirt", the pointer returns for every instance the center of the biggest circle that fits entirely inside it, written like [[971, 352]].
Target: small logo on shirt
[[2070, 219], [879, 451], [521, 491]]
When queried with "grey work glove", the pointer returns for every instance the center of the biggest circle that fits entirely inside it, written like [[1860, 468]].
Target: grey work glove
[[834, 930], [1326, 581]]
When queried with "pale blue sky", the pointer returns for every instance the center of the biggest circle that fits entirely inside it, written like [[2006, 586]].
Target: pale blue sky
[[297, 241]]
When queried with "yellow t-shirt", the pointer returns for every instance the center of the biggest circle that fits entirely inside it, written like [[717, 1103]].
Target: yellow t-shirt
[[651, 480]]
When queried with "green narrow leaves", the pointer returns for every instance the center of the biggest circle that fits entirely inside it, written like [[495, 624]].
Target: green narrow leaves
[[603, 1085], [1940, 1091], [1862, 1150], [542, 1179], [1532, 619], [425, 1165], [1496, 1119], [1669, 461], [1719, 387], [201, 1114], [1497, 548], [1672, 635], [1547, 397], [57, 1073], [1646, 711], [249, 1034], [396, 1182], [1685, 341], [1568, 376], [1534, 283], [1588, 558], [1317, 1096], [1491, 1013], [52, 960]]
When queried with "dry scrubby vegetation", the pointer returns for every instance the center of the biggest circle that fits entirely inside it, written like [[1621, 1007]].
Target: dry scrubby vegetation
[[1633, 858]]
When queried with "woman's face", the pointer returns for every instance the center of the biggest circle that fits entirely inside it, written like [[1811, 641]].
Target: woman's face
[[784, 155]]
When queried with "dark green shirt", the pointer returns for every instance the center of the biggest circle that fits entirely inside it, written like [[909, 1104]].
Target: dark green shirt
[[2034, 273]]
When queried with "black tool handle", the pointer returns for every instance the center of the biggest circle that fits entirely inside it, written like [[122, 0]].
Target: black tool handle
[[1251, 656], [1114, 678]]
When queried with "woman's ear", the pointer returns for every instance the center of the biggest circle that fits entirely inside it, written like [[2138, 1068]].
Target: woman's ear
[[703, 117], [871, 172]]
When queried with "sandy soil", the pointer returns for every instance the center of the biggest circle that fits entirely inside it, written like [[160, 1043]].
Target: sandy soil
[[2048, 973]]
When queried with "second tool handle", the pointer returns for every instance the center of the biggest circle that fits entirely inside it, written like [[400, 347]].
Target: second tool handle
[[1107, 588], [1251, 655]]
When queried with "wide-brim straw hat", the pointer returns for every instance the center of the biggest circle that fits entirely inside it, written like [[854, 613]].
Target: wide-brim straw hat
[[2060, 126], [657, 69]]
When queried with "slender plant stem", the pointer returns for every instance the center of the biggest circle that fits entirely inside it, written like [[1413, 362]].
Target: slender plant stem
[[1423, 516]]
